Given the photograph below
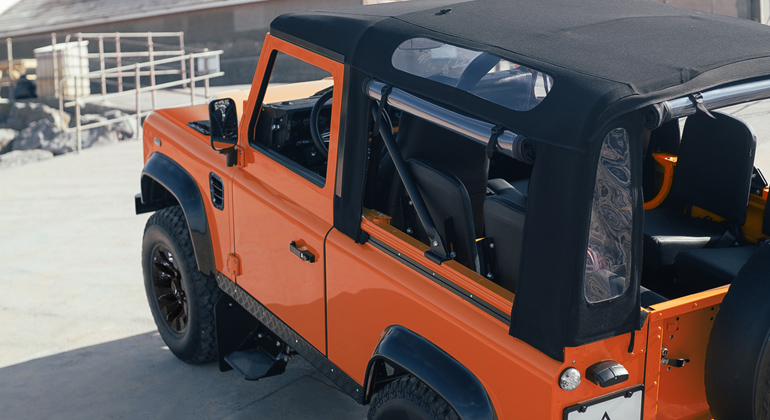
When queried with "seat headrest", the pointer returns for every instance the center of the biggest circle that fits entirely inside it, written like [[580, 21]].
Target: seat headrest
[[716, 159]]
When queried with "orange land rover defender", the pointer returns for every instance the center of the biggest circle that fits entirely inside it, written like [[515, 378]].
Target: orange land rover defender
[[478, 210]]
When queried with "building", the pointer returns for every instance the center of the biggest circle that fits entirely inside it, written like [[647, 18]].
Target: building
[[236, 26]]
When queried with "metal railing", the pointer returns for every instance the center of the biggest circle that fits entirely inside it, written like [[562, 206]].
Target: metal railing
[[149, 50], [129, 64], [136, 71]]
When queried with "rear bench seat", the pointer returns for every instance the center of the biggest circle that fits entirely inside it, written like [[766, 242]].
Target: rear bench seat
[[703, 269], [716, 159]]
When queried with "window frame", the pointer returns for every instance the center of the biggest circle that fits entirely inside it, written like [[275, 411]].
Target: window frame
[[320, 62]]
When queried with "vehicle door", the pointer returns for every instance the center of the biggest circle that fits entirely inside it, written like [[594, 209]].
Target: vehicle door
[[283, 193]]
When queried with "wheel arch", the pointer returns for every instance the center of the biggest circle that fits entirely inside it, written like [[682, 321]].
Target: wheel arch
[[165, 183], [407, 353]]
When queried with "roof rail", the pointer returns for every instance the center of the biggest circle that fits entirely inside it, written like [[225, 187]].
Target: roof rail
[[509, 143], [710, 99]]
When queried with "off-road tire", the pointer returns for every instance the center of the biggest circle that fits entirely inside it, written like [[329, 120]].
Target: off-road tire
[[408, 398], [195, 341]]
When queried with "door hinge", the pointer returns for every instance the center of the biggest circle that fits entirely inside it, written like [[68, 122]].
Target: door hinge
[[240, 157], [234, 157], [233, 265]]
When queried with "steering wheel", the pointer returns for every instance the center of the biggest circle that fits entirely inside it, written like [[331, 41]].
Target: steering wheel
[[321, 141]]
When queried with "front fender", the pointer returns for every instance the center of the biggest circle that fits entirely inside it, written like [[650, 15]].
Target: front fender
[[437, 369], [161, 171]]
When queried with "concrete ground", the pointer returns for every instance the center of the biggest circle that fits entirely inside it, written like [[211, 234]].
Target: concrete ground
[[77, 340]]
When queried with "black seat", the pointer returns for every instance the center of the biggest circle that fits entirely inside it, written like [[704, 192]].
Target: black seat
[[422, 140], [450, 209], [713, 172], [504, 217], [703, 269]]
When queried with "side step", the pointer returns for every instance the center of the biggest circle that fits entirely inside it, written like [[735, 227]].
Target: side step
[[247, 346], [259, 356]]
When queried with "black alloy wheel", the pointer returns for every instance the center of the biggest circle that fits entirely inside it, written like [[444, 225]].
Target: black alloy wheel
[[181, 298], [169, 292]]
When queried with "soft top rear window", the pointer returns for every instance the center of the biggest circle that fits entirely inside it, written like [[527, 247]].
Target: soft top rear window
[[500, 81]]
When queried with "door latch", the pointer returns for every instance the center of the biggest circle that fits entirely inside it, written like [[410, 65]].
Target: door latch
[[302, 252], [665, 361]]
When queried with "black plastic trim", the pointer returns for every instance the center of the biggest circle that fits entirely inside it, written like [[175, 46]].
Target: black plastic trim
[[292, 338], [441, 281], [203, 127], [155, 205], [308, 46], [261, 96], [437, 369], [631, 390], [234, 324], [161, 170]]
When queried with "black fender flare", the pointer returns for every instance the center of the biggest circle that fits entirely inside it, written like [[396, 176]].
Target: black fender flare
[[160, 170], [737, 366], [449, 378]]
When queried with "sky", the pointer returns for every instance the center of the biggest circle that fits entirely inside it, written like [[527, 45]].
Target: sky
[[6, 4]]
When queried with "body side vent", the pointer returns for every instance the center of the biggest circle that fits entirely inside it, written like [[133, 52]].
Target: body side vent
[[217, 191]]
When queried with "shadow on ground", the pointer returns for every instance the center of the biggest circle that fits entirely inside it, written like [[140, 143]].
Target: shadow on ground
[[138, 378]]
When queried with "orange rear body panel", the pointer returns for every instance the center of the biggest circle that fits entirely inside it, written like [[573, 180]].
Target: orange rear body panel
[[682, 326], [369, 290]]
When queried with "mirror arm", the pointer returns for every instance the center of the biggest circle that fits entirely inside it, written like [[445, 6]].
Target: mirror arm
[[231, 154]]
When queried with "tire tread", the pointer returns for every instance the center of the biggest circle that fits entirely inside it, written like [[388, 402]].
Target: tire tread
[[207, 293], [412, 389]]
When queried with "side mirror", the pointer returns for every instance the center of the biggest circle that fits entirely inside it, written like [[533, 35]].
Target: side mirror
[[223, 123]]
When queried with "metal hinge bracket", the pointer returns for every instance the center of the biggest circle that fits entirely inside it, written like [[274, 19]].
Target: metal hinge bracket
[[233, 265]]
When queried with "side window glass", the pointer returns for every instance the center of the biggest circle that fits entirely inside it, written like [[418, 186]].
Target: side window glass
[[297, 101], [608, 257]]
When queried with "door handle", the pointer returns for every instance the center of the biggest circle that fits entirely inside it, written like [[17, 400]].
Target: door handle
[[302, 252]]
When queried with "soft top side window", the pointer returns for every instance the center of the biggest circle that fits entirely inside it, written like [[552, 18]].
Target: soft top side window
[[608, 257], [500, 81]]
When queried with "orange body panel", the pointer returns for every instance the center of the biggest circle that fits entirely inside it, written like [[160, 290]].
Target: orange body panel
[[273, 206], [369, 290], [682, 326], [193, 153]]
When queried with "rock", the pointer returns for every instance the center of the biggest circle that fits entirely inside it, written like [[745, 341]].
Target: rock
[[6, 137], [125, 128], [107, 134], [22, 114], [98, 136], [21, 157], [43, 134]]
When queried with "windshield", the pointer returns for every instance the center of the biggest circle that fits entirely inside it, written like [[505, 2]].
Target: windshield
[[489, 77]]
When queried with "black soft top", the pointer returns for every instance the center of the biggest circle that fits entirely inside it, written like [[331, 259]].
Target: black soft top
[[606, 57]]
